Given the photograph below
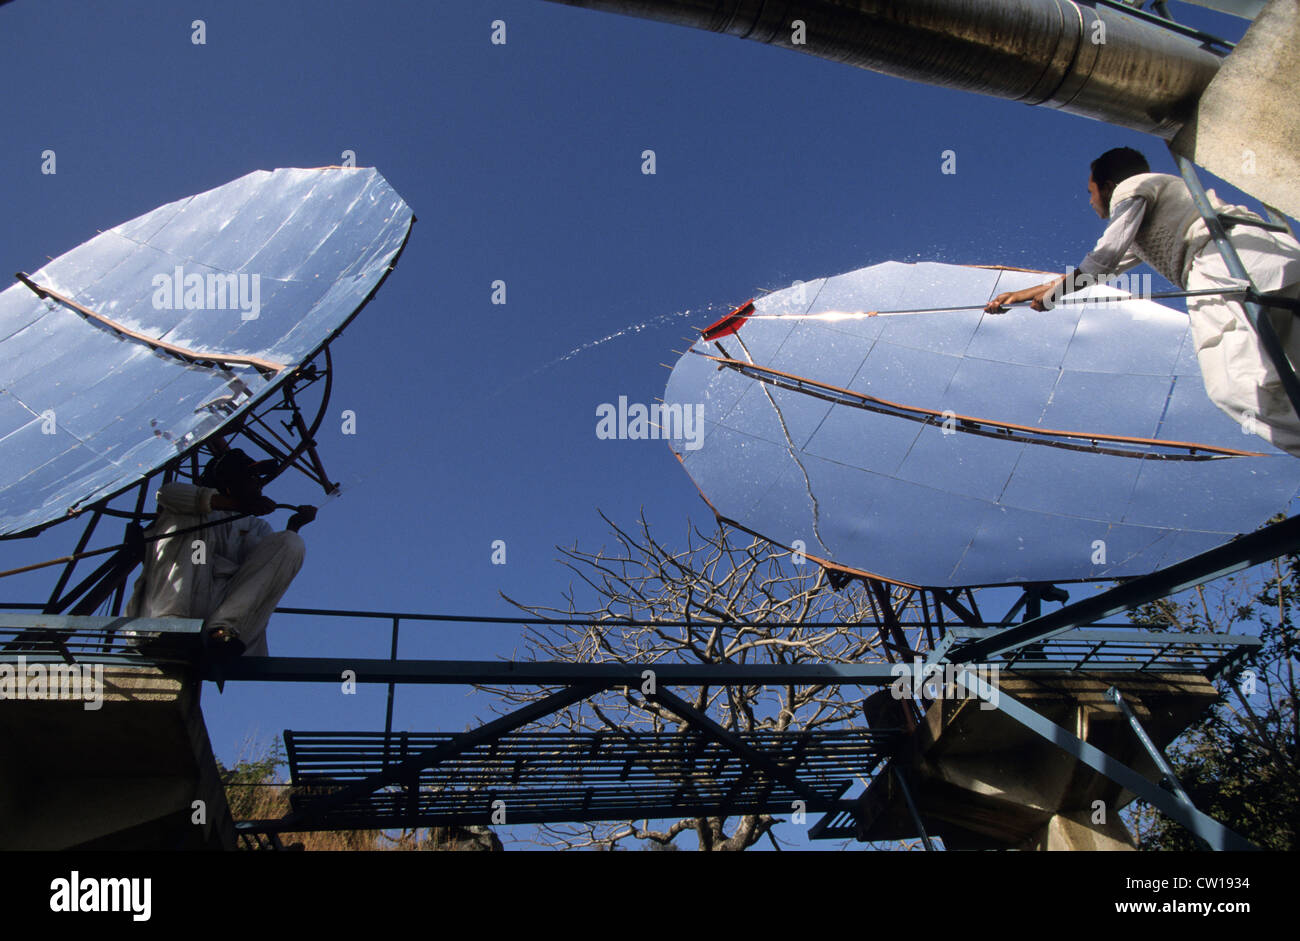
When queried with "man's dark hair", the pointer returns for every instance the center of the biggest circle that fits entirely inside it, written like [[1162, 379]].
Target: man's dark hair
[[226, 467], [1116, 166]]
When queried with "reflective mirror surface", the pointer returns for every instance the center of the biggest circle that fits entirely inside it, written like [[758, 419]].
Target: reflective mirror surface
[[959, 448], [269, 266]]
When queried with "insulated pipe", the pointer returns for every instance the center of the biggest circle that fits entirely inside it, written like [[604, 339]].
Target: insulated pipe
[[1097, 62]]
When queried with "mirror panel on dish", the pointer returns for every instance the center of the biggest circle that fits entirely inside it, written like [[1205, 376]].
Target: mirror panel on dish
[[951, 448], [269, 266]]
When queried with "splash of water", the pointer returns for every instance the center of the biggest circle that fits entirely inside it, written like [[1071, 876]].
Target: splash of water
[[626, 331], [629, 330]]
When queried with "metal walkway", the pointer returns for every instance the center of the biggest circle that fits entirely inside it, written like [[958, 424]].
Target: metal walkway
[[500, 773], [568, 777], [1112, 650]]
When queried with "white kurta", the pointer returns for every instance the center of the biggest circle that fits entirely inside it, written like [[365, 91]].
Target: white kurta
[[233, 580], [1238, 376]]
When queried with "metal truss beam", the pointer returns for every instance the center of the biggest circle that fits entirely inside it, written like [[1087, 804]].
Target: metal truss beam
[[756, 758], [889, 621], [1204, 827], [949, 600], [1170, 779], [1251, 549], [547, 673], [911, 805]]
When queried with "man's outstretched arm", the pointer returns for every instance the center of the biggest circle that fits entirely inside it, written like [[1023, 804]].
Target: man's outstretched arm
[[1112, 255], [1037, 296]]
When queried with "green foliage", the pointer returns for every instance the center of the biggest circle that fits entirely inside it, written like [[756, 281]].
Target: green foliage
[[1239, 763], [259, 770], [246, 779]]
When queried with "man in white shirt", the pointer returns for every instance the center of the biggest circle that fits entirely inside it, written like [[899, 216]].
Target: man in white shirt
[[231, 572], [1153, 220]]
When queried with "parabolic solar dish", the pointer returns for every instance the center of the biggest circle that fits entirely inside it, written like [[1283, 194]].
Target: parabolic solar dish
[[958, 448], [156, 333]]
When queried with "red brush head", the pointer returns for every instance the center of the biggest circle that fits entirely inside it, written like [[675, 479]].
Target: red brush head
[[730, 323]]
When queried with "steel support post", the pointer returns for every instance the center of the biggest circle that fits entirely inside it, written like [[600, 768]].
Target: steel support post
[[911, 805], [1157, 756]]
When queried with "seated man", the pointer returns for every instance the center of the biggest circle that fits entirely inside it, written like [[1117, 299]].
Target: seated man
[[233, 571]]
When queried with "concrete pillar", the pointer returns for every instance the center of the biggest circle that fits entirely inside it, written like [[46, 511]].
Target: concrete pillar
[[982, 780], [123, 776]]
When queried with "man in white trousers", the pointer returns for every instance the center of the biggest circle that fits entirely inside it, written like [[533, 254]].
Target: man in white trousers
[[1153, 220], [231, 572]]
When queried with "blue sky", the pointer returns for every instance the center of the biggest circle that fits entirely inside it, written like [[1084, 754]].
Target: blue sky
[[522, 163]]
